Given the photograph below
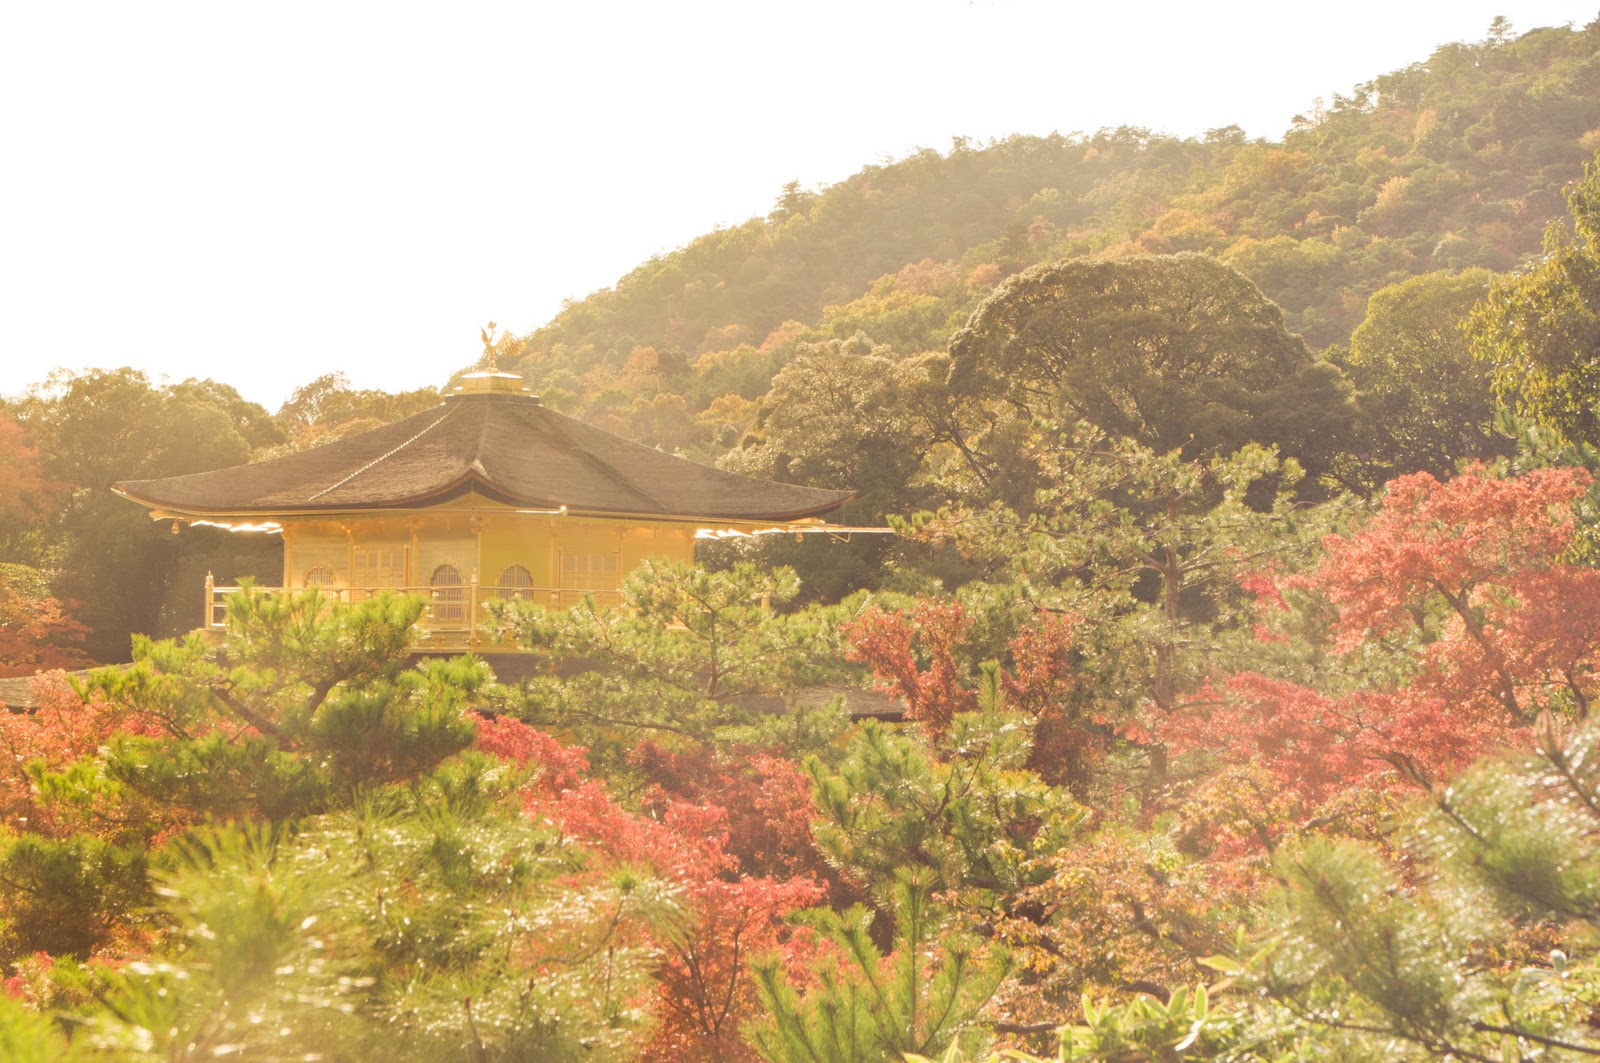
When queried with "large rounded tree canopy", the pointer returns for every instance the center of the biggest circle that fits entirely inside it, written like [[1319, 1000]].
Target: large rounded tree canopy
[[1175, 351]]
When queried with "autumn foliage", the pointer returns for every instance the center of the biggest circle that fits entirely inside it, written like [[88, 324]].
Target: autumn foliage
[[704, 990], [914, 657], [766, 803], [25, 490], [1457, 619], [38, 635], [63, 728], [922, 656]]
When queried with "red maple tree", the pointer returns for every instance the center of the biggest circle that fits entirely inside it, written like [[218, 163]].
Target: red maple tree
[[916, 656], [38, 635], [704, 990], [1460, 588]]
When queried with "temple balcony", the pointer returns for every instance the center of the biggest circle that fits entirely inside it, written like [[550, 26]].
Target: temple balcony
[[454, 617]]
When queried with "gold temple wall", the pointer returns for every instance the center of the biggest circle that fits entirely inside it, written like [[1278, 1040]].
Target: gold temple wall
[[407, 550]]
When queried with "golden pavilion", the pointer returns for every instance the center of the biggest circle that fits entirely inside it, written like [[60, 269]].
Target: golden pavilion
[[488, 495]]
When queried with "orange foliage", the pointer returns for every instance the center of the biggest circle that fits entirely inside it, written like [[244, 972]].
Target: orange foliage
[[25, 492], [63, 728], [984, 275], [1465, 580], [704, 990], [926, 277], [915, 657], [37, 635]]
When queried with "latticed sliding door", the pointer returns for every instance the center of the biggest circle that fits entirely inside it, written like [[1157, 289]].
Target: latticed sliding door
[[590, 573]]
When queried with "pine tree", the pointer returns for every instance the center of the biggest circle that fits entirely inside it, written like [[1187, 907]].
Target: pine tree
[[691, 656], [974, 824], [304, 702], [865, 1006], [301, 707], [1478, 944], [429, 922]]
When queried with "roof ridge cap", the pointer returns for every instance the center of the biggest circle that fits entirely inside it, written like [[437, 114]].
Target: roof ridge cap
[[483, 436]]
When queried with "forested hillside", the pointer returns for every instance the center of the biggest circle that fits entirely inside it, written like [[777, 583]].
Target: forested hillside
[[1454, 162]]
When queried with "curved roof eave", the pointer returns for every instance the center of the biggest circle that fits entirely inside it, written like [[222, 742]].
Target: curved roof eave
[[162, 510]]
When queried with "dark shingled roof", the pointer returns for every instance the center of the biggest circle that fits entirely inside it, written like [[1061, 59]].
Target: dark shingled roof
[[508, 447], [860, 703], [17, 694]]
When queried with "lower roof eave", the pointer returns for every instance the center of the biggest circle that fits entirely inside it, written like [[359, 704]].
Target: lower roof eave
[[255, 519], [503, 503]]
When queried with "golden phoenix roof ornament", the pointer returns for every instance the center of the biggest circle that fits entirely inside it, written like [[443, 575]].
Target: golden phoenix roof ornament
[[490, 354]]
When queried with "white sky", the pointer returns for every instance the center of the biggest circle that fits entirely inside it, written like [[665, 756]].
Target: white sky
[[262, 193]]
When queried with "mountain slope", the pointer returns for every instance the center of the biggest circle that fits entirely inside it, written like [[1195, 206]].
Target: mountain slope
[[1451, 163]]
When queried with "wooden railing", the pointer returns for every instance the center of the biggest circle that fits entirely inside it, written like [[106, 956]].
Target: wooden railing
[[454, 616]]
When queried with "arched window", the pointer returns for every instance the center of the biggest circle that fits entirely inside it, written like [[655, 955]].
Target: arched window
[[449, 599], [318, 576], [514, 582]]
